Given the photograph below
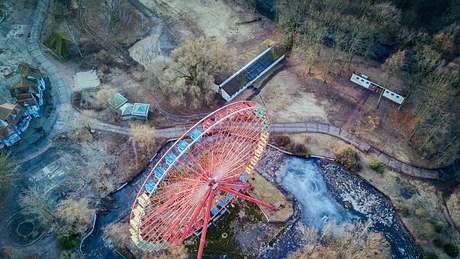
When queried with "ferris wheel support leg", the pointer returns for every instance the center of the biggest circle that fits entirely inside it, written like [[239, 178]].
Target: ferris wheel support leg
[[207, 215], [195, 214], [237, 186], [245, 197]]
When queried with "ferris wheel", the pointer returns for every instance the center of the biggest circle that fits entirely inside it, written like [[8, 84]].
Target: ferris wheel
[[198, 176]]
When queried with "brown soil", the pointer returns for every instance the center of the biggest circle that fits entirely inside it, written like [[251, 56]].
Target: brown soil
[[267, 192]]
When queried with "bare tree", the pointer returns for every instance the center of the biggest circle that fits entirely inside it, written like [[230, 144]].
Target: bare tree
[[104, 94], [76, 213], [142, 137], [142, 134], [308, 45], [189, 78], [396, 62], [117, 234], [97, 171], [116, 16]]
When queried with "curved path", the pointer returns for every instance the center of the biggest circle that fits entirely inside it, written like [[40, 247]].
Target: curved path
[[60, 89], [302, 127]]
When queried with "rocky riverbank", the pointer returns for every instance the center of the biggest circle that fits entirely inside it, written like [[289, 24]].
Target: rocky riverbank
[[357, 195]]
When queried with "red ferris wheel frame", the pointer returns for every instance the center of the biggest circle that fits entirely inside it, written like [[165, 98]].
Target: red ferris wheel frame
[[198, 176]]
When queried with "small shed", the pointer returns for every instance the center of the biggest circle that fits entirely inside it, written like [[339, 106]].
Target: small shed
[[134, 111], [141, 110], [117, 101]]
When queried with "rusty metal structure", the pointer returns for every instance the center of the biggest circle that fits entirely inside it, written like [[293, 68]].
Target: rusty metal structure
[[198, 176]]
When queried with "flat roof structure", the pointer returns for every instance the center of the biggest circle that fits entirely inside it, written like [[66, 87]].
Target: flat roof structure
[[136, 110], [363, 81], [249, 73], [141, 109]]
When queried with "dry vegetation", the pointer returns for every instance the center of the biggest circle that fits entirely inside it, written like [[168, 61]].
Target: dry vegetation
[[348, 157], [453, 204], [330, 39], [76, 212], [8, 172], [356, 241]]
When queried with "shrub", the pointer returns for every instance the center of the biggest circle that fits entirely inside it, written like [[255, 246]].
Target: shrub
[[429, 255], [297, 149], [421, 213], [451, 250], [404, 210], [438, 242], [281, 141], [348, 157], [376, 165], [68, 240], [438, 226]]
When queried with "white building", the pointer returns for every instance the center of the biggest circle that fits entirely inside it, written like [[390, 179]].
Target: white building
[[363, 80]]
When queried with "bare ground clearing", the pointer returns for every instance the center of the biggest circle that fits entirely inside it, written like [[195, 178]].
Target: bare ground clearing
[[291, 95], [214, 19]]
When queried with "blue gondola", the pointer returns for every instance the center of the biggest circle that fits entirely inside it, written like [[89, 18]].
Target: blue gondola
[[214, 211], [244, 177], [195, 134], [159, 171], [150, 186], [221, 203], [229, 197], [170, 158], [182, 146]]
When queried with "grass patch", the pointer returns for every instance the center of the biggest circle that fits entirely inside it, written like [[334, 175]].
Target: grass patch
[[252, 212], [216, 244], [376, 165], [429, 255], [68, 239], [438, 226], [451, 250]]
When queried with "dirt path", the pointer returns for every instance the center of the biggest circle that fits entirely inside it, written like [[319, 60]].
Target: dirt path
[[356, 114]]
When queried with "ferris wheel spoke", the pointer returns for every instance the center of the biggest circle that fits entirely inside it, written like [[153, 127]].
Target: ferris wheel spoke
[[245, 197], [205, 227], [173, 211], [203, 172], [166, 190], [195, 172], [166, 205], [197, 211], [239, 145]]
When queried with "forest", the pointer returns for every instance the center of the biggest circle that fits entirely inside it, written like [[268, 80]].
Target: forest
[[416, 41]]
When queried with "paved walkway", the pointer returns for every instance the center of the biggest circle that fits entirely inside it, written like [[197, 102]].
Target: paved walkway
[[302, 127], [388, 160], [60, 89]]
